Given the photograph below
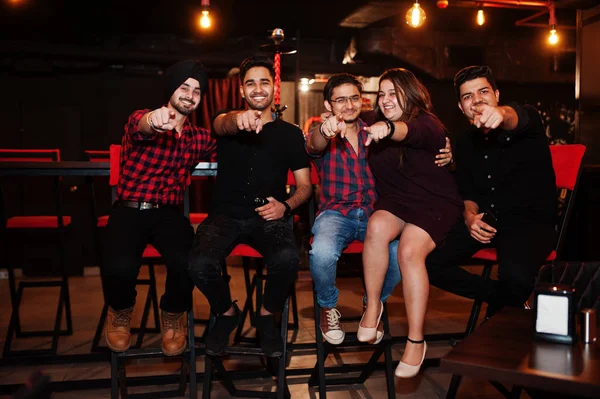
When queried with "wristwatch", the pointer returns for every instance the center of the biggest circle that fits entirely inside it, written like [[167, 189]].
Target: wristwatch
[[288, 210]]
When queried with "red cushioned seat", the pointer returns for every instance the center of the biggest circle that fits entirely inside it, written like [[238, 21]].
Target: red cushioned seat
[[150, 252], [102, 221], [36, 222], [245, 250], [490, 254], [197, 218]]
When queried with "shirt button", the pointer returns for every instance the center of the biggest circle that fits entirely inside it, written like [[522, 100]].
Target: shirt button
[[493, 188], [492, 205], [508, 139], [485, 157], [489, 176]]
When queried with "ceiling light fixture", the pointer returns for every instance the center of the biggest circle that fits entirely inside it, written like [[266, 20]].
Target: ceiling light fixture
[[480, 17], [553, 38], [415, 15], [205, 21]]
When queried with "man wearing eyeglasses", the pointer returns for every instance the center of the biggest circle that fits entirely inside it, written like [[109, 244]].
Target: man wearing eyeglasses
[[347, 195]]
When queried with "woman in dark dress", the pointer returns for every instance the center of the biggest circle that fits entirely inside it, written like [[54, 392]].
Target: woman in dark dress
[[417, 200]]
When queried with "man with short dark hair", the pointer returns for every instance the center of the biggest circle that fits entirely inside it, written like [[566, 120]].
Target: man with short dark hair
[[504, 169], [160, 149], [255, 153]]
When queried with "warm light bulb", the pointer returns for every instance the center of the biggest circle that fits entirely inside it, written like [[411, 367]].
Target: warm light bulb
[[553, 38], [480, 18], [205, 20], [415, 16]]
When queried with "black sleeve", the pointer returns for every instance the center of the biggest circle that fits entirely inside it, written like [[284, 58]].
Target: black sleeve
[[296, 150], [530, 121]]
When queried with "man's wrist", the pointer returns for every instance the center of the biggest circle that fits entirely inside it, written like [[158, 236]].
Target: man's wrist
[[321, 131], [288, 209]]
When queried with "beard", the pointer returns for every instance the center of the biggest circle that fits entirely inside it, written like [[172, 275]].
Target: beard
[[178, 105], [260, 106]]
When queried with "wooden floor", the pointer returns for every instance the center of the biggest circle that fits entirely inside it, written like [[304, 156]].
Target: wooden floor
[[447, 313]]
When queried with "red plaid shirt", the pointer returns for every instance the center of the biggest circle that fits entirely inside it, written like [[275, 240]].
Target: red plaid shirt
[[346, 179], [156, 168]]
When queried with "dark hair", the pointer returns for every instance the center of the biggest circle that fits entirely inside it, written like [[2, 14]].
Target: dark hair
[[413, 99], [473, 72], [338, 80], [256, 61]]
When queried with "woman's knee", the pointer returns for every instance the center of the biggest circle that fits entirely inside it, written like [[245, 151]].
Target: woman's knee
[[409, 254]]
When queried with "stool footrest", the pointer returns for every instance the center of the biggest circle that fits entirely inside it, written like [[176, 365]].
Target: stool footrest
[[145, 353], [45, 333]]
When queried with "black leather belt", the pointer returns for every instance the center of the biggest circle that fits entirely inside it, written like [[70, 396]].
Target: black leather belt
[[141, 205]]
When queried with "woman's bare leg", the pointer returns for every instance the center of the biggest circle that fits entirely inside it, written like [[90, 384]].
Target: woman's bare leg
[[382, 228], [415, 244]]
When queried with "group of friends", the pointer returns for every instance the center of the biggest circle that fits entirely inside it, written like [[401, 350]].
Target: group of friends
[[387, 185]]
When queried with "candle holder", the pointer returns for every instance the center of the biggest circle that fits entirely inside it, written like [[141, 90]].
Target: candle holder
[[278, 48]]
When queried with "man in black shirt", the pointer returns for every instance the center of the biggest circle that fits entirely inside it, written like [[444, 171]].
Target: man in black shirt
[[255, 153], [504, 169]]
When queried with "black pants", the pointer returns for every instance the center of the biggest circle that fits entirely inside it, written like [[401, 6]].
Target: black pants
[[127, 233], [219, 234], [521, 252]]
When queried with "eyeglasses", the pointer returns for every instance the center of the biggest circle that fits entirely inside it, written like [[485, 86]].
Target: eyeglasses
[[342, 100]]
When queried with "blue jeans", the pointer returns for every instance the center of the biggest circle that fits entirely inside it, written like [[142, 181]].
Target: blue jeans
[[332, 233]]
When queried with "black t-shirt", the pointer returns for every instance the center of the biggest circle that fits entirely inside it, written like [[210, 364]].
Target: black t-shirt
[[509, 173], [256, 165]]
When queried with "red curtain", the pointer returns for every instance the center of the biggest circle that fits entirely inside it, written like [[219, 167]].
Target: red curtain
[[222, 94]]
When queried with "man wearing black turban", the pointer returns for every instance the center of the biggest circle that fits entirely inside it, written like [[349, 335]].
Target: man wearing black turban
[[159, 150]]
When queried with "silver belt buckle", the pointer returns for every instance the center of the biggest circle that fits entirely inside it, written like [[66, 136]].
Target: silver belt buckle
[[147, 205]]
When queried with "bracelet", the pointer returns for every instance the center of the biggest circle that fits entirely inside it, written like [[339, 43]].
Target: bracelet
[[321, 131], [148, 121], [391, 127]]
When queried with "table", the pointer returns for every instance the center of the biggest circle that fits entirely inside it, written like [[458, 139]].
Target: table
[[503, 350], [79, 168]]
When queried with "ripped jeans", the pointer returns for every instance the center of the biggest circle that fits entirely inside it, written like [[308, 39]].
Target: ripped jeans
[[219, 234]]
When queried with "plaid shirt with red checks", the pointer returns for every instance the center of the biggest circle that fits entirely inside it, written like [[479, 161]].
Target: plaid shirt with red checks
[[157, 168], [346, 179]]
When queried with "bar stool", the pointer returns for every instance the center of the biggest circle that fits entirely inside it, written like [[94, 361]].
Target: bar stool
[[150, 257], [318, 377], [57, 222], [118, 375], [244, 350]]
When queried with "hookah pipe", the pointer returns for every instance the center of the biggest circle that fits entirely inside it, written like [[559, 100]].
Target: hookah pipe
[[278, 48]]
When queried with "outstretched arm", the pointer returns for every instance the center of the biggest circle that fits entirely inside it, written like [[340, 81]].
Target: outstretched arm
[[234, 121]]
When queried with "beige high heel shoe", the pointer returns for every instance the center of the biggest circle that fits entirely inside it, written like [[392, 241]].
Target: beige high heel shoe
[[406, 370], [370, 334]]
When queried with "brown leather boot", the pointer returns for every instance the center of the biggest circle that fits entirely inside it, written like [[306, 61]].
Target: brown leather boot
[[331, 328], [117, 329], [174, 333]]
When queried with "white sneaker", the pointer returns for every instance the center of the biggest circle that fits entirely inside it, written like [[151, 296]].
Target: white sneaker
[[331, 328]]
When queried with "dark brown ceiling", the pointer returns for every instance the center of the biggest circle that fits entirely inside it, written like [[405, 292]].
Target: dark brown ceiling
[[162, 30], [81, 19]]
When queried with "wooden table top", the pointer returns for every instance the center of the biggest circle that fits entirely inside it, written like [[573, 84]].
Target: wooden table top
[[503, 350]]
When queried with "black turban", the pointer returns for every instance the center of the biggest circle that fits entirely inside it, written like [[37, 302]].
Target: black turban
[[179, 72]]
